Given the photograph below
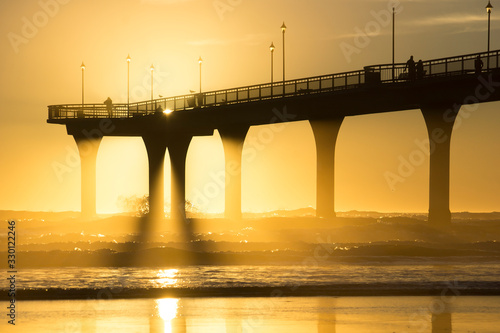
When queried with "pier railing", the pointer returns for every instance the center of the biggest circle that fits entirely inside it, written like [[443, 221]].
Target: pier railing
[[370, 75]]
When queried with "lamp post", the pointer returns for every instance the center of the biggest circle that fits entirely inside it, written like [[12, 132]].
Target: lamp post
[[128, 81], [283, 29], [152, 68], [272, 48], [393, 38], [488, 9], [200, 61], [83, 83]]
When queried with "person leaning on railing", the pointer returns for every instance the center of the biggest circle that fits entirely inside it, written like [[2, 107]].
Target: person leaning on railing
[[109, 107], [478, 65], [420, 70], [410, 65]]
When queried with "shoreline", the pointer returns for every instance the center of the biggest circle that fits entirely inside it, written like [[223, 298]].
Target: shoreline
[[449, 289]]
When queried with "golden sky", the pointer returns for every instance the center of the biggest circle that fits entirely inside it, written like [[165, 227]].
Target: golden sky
[[43, 43]]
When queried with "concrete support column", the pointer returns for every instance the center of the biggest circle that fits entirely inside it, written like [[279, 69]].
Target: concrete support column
[[233, 139], [325, 135], [88, 148], [439, 121], [156, 148], [178, 149]]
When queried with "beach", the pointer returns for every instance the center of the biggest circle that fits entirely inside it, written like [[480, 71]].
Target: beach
[[268, 314]]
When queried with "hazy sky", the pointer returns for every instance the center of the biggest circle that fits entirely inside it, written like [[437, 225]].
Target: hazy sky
[[44, 42]]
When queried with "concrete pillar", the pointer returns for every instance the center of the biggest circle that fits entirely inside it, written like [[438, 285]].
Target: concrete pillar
[[439, 121], [88, 148], [233, 139], [178, 149], [325, 135], [156, 148]]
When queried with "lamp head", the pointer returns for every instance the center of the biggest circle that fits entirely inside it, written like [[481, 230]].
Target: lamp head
[[128, 58], [200, 61], [283, 27], [272, 47], [82, 66], [489, 7], [152, 68]]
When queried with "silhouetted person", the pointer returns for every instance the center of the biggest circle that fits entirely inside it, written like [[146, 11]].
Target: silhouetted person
[[159, 110], [199, 99], [109, 107], [478, 65], [410, 65], [420, 69]]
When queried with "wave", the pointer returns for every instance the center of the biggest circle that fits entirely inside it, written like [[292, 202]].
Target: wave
[[443, 288], [147, 255]]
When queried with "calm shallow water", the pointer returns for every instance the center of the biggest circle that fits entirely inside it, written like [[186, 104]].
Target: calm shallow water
[[262, 315], [255, 276]]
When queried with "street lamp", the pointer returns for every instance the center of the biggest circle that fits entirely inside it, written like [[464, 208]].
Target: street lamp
[[128, 80], [488, 9], [393, 38], [200, 61], [83, 83], [283, 29], [152, 68], [272, 48]]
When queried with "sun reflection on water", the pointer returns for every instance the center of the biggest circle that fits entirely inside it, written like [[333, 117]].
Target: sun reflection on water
[[166, 277], [167, 311]]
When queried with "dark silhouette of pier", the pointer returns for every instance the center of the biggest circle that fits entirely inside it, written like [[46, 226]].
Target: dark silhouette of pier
[[170, 123]]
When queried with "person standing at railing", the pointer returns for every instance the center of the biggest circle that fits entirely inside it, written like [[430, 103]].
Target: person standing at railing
[[420, 70], [410, 65], [478, 65], [109, 107]]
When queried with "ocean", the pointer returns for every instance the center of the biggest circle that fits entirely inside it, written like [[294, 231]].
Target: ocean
[[357, 275], [417, 274]]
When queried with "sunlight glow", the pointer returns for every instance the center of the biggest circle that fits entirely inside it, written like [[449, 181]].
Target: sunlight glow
[[167, 111], [166, 277], [167, 310]]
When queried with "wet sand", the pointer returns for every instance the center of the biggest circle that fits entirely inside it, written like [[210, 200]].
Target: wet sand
[[261, 315]]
